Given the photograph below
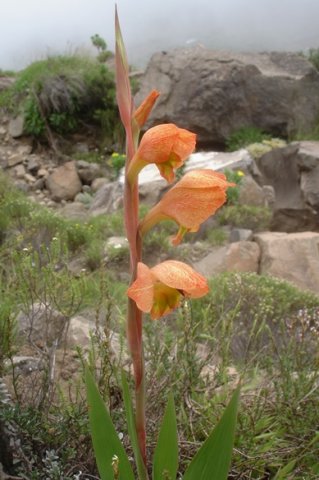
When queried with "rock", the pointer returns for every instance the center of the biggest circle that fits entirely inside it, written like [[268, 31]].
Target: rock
[[240, 159], [108, 199], [88, 171], [293, 173], [33, 164], [80, 332], [16, 126], [14, 159], [42, 172], [81, 147], [24, 149], [24, 365], [74, 211], [242, 256], [39, 184], [250, 193], [6, 82], [291, 256], [308, 163], [98, 183], [215, 93], [41, 324], [19, 171], [64, 183], [29, 178], [239, 234]]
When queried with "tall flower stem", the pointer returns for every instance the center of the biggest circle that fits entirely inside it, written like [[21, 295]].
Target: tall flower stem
[[134, 318]]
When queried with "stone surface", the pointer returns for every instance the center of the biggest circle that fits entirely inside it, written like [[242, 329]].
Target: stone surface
[[16, 126], [74, 211], [64, 183], [215, 93], [238, 234], [108, 199], [98, 183], [293, 173], [41, 324], [240, 256], [88, 171], [293, 257], [250, 193]]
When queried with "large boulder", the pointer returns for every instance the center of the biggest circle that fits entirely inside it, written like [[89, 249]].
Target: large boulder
[[242, 256], [64, 183], [293, 257], [293, 172], [214, 93]]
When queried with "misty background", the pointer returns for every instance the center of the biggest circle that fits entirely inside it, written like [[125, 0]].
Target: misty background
[[34, 29]]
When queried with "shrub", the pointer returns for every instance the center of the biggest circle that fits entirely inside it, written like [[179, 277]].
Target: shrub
[[313, 57], [62, 93], [245, 136], [245, 216], [234, 176]]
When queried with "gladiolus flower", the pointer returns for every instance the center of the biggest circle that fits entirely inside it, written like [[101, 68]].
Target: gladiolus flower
[[165, 145], [142, 112], [190, 202], [159, 290]]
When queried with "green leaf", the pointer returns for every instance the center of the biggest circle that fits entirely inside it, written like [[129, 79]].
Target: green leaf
[[142, 472], [165, 462], [212, 461], [282, 473], [106, 442]]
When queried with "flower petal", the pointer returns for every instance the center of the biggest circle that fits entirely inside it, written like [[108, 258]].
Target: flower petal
[[142, 112], [142, 289], [181, 276]]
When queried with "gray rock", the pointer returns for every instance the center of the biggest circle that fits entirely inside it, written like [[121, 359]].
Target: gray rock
[[14, 159], [293, 257], [88, 171], [108, 199], [215, 93], [64, 183], [239, 234], [16, 126], [74, 211], [250, 193], [41, 324], [98, 183], [242, 256], [33, 164], [293, 173]]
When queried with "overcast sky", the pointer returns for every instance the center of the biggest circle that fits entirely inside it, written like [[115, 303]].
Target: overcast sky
[[32, 29]]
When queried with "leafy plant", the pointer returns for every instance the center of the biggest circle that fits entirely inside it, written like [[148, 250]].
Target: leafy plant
[[245, 216], [244, 137]]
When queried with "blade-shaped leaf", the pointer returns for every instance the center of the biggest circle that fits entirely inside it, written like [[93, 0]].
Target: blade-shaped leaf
[[132, 429], [123, 87], [165, 461], [105, 440], [283, 472], [212, 461]]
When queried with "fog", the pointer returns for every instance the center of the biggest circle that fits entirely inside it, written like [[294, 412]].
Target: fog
[[34, 29]]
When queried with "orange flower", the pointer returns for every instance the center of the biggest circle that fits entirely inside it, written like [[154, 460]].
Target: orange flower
[[190, 202], [165, 145], [142, 112], [159, 290]]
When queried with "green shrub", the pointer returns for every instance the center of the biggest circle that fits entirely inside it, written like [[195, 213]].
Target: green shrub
[[64, 92], [245, 216], [233, 176], [244, 137], [313, 57]]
